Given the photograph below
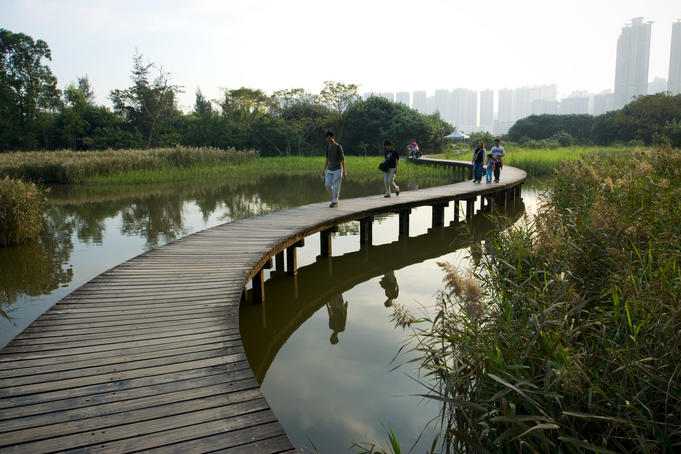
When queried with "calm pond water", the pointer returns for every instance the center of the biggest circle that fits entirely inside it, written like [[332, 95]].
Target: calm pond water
[[322, 345]]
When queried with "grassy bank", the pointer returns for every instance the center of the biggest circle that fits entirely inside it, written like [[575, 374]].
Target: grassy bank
[[71, 167], [567, 338], [541, 162], [359, 169], [122, 167]]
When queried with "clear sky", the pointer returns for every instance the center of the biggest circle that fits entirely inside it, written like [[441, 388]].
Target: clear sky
[[382, 45]]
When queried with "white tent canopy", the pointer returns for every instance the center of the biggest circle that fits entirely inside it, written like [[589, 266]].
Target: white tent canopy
[[456, 135]]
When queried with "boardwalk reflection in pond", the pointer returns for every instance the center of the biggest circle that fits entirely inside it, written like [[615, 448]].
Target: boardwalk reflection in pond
[[336, 394]]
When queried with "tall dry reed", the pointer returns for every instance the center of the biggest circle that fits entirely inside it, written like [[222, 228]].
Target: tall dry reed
[[21, 211]]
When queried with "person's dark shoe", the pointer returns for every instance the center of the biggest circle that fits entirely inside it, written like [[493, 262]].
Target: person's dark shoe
[[333, 205], [397, 193], [387, 196]]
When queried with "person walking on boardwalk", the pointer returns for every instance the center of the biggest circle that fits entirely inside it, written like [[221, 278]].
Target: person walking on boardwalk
[[491, 166], [334, 168], [498, 154], [392, 158], [478, 159]]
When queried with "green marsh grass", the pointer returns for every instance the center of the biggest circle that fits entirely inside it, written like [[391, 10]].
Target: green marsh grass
[[21, 210], [567, 338], [359, 169], [122, 167], [69, 167], [543, 162]]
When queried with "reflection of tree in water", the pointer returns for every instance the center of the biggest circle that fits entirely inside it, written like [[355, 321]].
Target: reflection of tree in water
[[157, 219], [37, 268], [338, 314]]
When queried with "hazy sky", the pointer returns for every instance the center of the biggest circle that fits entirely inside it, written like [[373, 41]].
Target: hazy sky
[[382, 45]]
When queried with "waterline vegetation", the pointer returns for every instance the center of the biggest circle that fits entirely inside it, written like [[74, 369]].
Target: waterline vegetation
[[21, 210], [180, 164], [567, 337]]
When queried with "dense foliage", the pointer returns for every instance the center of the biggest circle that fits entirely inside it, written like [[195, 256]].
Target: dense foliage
[[652, 119], [21, 211], [34, 114], [69, 167], [573, 341]]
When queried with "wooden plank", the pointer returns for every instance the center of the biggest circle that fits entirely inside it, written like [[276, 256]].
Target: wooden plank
[[148, 355], [177, 403], [153, 432], [61, 400]]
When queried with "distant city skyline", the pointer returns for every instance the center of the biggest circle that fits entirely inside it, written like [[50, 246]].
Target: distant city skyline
[[471, 110], [383, 46]]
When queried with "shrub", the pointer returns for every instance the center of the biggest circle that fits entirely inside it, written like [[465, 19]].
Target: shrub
[[21, 211], [578, 343]]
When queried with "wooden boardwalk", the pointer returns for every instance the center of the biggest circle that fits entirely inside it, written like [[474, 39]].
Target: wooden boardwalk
[[148, 356]]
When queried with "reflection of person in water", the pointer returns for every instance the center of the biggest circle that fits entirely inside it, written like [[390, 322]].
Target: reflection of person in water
[[389, 284], [338, 313]]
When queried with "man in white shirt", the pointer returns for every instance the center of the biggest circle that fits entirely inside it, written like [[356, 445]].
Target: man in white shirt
[[498, 153]]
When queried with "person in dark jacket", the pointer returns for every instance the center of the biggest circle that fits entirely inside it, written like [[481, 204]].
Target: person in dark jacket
[[478, 159], [392, 157]]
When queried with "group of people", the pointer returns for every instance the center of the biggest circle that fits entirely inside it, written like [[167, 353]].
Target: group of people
[[335, 169], [494, 162]]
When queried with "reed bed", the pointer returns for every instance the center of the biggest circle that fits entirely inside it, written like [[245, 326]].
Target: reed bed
[[21, 211], [182, 164], [360, 169], [69, 167], [567, 337], [543, 162]]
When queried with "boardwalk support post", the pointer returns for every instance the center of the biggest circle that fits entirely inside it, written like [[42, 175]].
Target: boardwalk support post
[[470, 207], [292, 258], [439, 214], [365, 230], [325, 241], [259, 286], [279, 262], [457, 207], [404, 222]]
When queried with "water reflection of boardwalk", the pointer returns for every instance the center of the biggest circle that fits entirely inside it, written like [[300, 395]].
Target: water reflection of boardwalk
[[148, 355]]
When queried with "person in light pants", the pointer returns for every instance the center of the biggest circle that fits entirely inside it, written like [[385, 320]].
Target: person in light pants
[[392, 157], [334, 168]]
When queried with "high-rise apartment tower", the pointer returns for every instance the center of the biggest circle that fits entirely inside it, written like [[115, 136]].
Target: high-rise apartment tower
[[633, 57], [674, 80]]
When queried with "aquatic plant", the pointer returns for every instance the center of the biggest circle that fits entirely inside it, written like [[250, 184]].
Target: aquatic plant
[[573, 342], [21, 211], [78, 167]]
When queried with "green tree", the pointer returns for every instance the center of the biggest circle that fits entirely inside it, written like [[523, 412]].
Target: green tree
[[305, 117], [74, 126], [371, 122], [28, 89], [339, 98], [540, 127], [644, 117], [149, 105]]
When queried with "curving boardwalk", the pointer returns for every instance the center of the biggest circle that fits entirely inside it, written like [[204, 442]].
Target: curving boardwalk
[[148, 355]]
